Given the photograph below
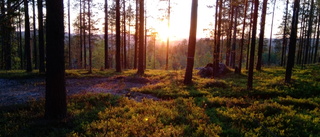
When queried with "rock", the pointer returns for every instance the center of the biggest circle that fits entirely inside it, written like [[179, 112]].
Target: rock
[[207, 72]]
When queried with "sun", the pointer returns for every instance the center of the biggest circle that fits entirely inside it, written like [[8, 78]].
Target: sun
[[162, 31]]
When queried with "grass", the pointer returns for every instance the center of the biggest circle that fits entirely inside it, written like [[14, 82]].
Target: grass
[[210, 107]]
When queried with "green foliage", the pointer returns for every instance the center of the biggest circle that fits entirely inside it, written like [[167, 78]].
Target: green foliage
[[210, 107]]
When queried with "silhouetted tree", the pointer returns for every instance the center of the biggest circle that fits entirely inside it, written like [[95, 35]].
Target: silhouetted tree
[[293, 40], [261, 37], [41, 37], [27, 37], [106, 39], [242, 36], [253, 42], [192, 42], [118, 38], [141, 38], [56, 104]]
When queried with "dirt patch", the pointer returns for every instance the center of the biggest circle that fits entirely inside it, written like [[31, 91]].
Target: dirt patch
[[22, 91]]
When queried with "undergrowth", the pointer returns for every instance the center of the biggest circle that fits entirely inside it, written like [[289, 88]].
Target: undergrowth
[[209, 107]]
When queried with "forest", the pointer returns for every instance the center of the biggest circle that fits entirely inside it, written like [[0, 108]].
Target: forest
[[128, 68]]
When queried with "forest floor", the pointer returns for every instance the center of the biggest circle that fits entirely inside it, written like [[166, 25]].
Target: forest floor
[[19, 91], [107, 103]]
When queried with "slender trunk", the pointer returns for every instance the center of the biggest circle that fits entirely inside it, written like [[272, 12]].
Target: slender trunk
[[242, 37], [293, 40], [261, 37], [118, 44], [284, 43], [84, 36], [125, 65], [233, 49], [253, 42], [35, 49], [20, 42], [27, 37], [308, 44], [136, 41], [192, 43], [250, 30], [317, 39], [217, 48], [106, 37], [89, 37], [168, 37], [215, 32], [269, 53], [41, 37], [228, 51], [141, 36], [69, 33], [145, 39], [81, 36]]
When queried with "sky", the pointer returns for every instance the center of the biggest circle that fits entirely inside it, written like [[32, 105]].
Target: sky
[[180, 17]]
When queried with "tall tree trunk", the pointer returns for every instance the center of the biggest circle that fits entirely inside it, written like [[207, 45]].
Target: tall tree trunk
[[7, 32], [261, 37], [242, 36], [136, 41], [253, 42], [269, 53], [309, 33], [41, 37], [284, 43], [69, 36], [106, 37], [216, 51], [125, 65], [89, 37], [233, 48], [35, 48], [293, 40], [192, 42], [84, 36], [118, 44], [141, 37], [20, 42], [168, 37], [229, 35], [250, 30], [317, 39], [81, 36], [56, 104], [27, 37], [145, 39]]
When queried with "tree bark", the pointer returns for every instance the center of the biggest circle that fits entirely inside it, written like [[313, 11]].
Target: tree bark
[[118, 44], [269, 53], [192, 42], [69, 37], [106, 37], [27, 37], [242, 36], [136, 41], [284, 43], [89, 37], [56, 104], [317, 39], [253, 42], [41, 37], [261, 37], [35, 48], [293, 40], [308, 44], [141, 39]]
